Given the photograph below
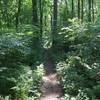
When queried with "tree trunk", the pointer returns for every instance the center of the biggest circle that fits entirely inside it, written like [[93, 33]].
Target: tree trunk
[[5, 12], [82, 11], [89, 14], [72, 8], [17, 14], [34, 12], [54, 19], [93, 10], [78, 9], [67, 9], [41, 17]]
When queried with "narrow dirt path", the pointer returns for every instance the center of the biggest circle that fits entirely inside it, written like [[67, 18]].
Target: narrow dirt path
[[51, 88]]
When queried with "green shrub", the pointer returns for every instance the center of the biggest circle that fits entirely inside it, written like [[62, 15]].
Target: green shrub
[[20, 76], [21, 82], [80, 68]]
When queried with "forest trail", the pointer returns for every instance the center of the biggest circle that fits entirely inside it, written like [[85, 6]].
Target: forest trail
[[51, 88]]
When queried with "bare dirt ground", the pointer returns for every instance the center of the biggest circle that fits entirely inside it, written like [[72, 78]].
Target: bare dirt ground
[[51, 88]]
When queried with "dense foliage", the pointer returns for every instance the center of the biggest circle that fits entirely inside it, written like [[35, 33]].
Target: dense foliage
[[18, 58], [80, 63], [70, 29]]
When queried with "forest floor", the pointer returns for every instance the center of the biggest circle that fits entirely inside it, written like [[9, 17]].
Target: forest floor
[[51, 88]]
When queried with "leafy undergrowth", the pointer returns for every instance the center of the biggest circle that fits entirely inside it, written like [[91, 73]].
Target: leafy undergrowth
[[20, 66], [20, 82], [78, 61]]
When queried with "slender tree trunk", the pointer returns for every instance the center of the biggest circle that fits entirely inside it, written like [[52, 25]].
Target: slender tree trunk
[[34, 12], [17, 14], [45, 20], [82, 11], [41, 17], [1, 13], [67, 9], [5, 12], [78, 9], [72, 8], [66, 13], [89, 14], [54, 19], [93, 10]]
